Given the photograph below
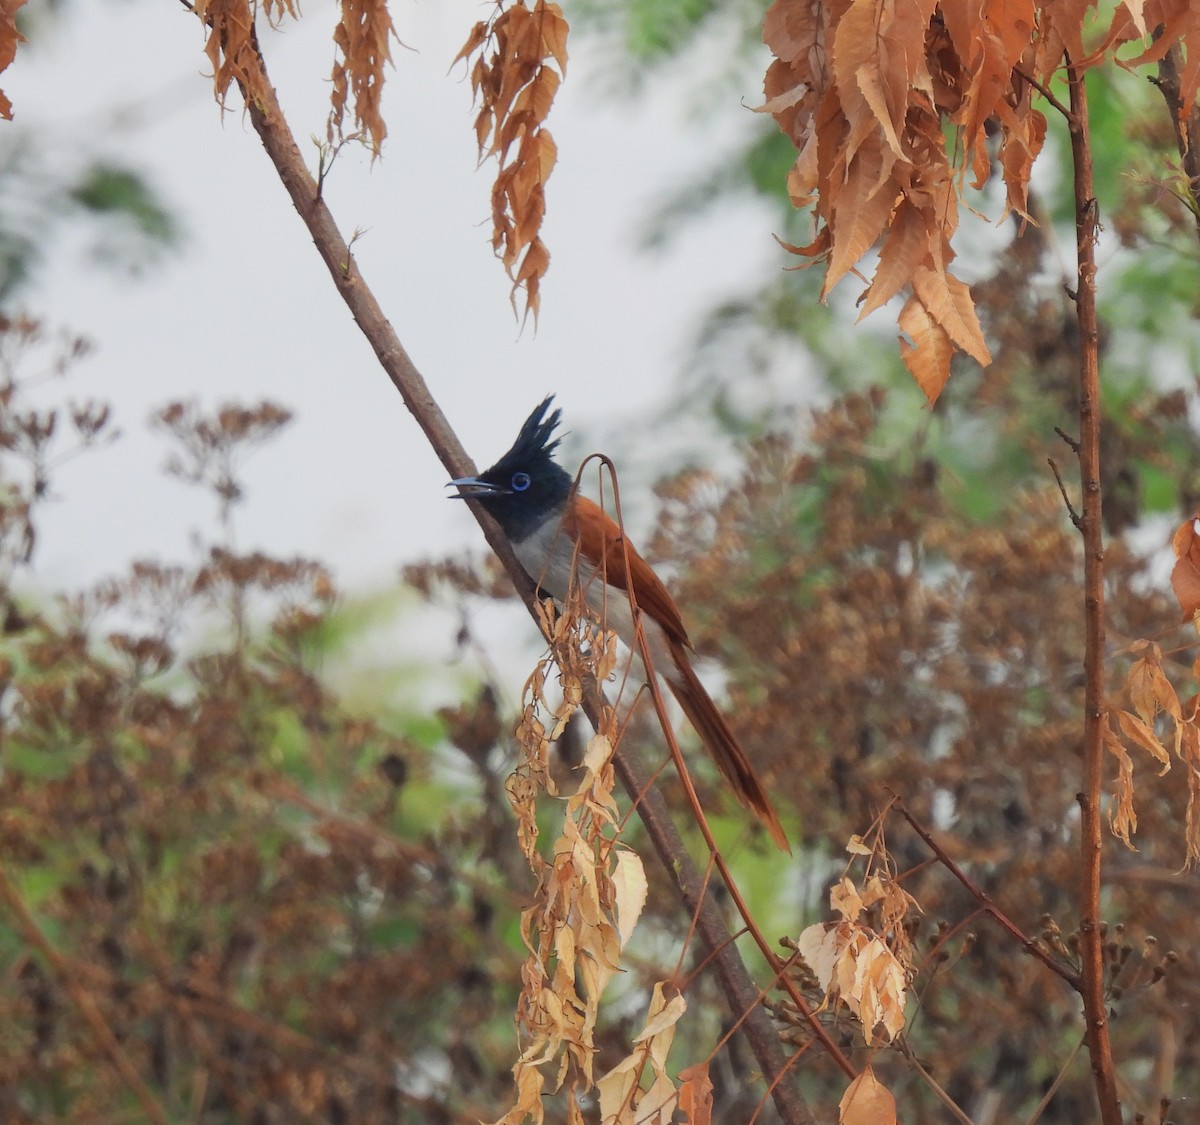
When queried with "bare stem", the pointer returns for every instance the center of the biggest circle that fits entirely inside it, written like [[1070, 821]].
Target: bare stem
[[1091, 529]]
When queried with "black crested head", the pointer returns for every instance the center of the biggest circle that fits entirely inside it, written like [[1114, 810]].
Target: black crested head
[[526, 486], [533, 443]]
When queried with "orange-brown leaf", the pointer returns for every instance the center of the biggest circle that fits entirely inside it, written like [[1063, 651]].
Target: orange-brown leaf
[[363, 39], [904, 246], [1185, 577], [696, 1094], [927, 357], [948, 301]]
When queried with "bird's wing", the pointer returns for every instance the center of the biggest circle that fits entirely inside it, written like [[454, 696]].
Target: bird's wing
[[602, 543]]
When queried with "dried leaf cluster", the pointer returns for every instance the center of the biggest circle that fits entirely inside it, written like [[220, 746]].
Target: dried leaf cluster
[[514, 84], [591, 890], [363, 41], [867, 968], [904, 647], [892, 106]]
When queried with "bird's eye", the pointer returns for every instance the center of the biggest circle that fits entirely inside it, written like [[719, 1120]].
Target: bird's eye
[[520, 482]]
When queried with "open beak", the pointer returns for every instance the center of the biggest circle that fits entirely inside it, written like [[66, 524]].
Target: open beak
[[472, 487]]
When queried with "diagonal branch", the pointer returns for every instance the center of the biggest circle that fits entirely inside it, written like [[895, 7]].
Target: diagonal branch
[[280, 145]]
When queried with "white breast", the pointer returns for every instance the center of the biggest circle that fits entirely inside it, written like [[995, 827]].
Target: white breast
[[548, 557]]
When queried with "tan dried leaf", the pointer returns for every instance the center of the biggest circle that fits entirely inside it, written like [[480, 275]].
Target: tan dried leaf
[[867, 1101], [621, 1097], [631, 888], [1122, 817], [1136, 731]]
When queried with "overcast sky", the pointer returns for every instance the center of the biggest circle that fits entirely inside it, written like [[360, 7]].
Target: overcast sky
[[246, 310]]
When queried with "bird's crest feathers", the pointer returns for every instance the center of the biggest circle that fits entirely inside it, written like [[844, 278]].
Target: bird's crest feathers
[[534, 441]]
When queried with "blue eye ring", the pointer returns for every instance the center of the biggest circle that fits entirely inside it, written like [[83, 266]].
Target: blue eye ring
[[520, 482]]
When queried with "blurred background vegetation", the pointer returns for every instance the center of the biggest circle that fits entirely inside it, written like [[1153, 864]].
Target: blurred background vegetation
[[234, 892]]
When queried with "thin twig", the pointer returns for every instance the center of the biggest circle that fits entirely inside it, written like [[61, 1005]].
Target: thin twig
[[1046, 93], [1063, 489], [1072, 444], [941, 1095], [1030, 945], [1040, 1108]]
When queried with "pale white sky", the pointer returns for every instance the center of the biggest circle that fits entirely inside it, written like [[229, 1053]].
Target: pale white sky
[[246, 310]]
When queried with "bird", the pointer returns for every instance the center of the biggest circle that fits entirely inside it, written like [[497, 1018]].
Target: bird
[[565, 541]]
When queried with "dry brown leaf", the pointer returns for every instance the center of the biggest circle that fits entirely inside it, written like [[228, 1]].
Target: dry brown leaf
[[231, 45], [928, 356], [856, 967], [622, 1101], [867, 1101], [1185, 577], [631, 888], [696, 1094], [9, 38]]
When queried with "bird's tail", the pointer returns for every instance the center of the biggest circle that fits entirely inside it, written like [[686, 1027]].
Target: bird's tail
[[721, 742]]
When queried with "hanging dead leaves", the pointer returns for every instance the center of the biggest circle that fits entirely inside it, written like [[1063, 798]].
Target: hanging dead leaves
[[363, 39], [514, 84], [869, 90]]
